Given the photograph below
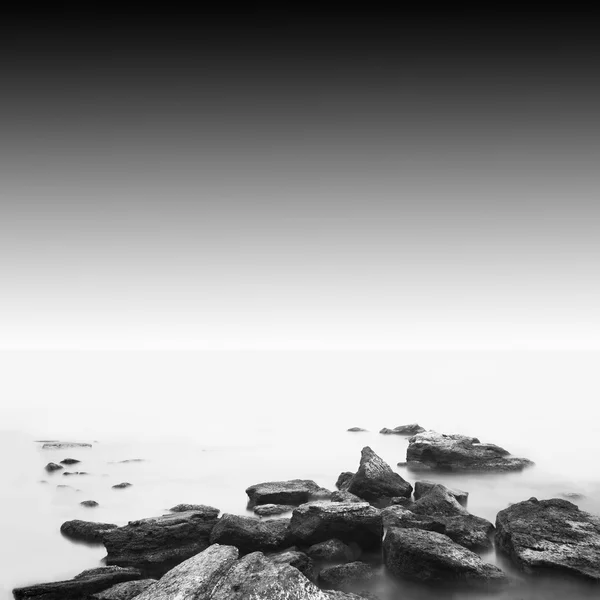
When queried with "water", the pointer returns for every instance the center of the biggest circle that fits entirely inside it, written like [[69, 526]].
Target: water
[[254, 417]]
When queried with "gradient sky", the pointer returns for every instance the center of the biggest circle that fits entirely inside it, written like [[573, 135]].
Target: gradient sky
[[268, 181]]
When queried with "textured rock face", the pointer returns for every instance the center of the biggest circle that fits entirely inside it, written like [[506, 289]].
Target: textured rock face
[[424, 486], [346, 521], [550, 534], [341, 577], [375, 479], [331, 551], [157, 544], [250, 534], [432, 450], [435, 558], [344, 496], [293, 492], [207, 510], [411, 429], [86, 531], [297, 559], [268, 510], [124, 591], [86, 583], [344, 480]]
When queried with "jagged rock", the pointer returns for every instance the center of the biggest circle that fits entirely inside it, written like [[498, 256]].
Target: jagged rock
[[89, 503], [63, 445], [346, 521], [268, 510], [86, 531], [207, 510], [344, 496], [122, 486], [249, 534], [432, 450], [344, 480], [69, 461], [297, 559], [124, 591], [157, 544], [343, 576], [86, 583], [542, 535], [331, 551], [411, 429], [424, 486], [375, 479], [292, 492], [435, 558], [356, 429]]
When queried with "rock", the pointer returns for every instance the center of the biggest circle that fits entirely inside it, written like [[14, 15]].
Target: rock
[[400, 501], [86, 583], [63, 486], [51, 467], [122, 486], [331, 551], [63, 445], [131, 460], [124, 591], [459, 452], [67, 473], [268, 510], [86, 531], [297, 559], [346, 521], [438, 501], [89, 503], [411, 429], [398, 516], [356, 429], [425, 486], [207, 510], [69, 461], [344, 496], [342, 577], [573, 495], [435, 558], [157, 544], [375, 479], [344, 480], [293, 492], [250, 534], [542, 535]]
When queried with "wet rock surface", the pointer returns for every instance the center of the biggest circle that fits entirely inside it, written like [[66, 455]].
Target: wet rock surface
[[542, 535], [86, 531], [250, 534], [292, 492]]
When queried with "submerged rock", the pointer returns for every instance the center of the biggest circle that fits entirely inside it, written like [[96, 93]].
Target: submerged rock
[[86, 531], [292, 492], [432, 450], [157, 544], [333, 550], [51, 467], [268, 510], [63, 445], [433, 557], [341, 577], [86, 583], [207, 510], [424, 486], [411, 429], [122, 486], [375, 479], [356, 429], [124, 591], [346, 521], [89, 503], [69, 461], [250, 534], [542, 535]]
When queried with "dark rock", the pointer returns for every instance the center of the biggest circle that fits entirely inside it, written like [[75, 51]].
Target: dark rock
[[344, 496], [459, 452], [425, 486], [400, 501], [344, 480], [122, 486], [51, 467], [346, 521], [157, 544], [86, 531], [89, 503], [207, 510], [124, 591], [86, 583], [411, 429], [342, 577], [435, 558], [293, 492], [398, 516], [297, 559], [402, 464], [69, 461], [356, 429], [268, 510], [438, 501], [74, 473], [249, 534], [331, 551], [63, 445], [544, 535], [375, 479]]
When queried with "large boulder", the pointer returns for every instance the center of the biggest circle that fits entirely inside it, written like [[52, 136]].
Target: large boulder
[[411, 429], [250, 534], [347, 521], [550, 535], [454, 452], [331, 551], [342, 577], [86, 531], [86, 583], [157, 544], [124, 591], [424, 486], [293, 492], [375, 480], [433, 557]]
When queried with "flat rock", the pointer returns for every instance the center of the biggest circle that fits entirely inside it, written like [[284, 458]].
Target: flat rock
[[344, 496], [356, 429], [157, 544], [86, 583], [268, 510], [542, 535], [51, 467], [207, 510], [292, 492], [375, 479], [122, 486], [454, 452], [86, 531], [411, 429], [63, 445], [67, 473], [124, 591], [434, 558], [69, 461], [250, 534], [296, 559], [89, 503], [424, 486], [342, 577], [331, 551], [346, 521]]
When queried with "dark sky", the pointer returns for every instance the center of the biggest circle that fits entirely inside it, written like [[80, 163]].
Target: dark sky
[[307, 180]]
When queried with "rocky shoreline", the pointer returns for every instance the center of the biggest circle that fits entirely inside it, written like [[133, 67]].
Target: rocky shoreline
[[308, 542]]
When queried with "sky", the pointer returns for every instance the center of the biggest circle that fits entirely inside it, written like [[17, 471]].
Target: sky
[[299, 182]]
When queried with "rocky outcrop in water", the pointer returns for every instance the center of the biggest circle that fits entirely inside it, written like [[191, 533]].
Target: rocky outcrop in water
[[411, 429], [356, 429], [122, 486], [424, 486], [69, 461], [250, 534], [542, 535], [124, 591], [209, 511], [51, 467], [293, 492], [89, 503], [444, 452], [86, 531]]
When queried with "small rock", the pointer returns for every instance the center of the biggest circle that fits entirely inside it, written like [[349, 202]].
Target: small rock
[[331, 551], [69, 461], [74, 473], [356, 429], [411, 429], [267, 510], [63, 445], [207, 510], [121, 486], [86, 531], [51, 467], [89, 503], [341, 577]]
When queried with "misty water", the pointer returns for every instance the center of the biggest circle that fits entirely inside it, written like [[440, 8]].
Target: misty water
[[209, 425]]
